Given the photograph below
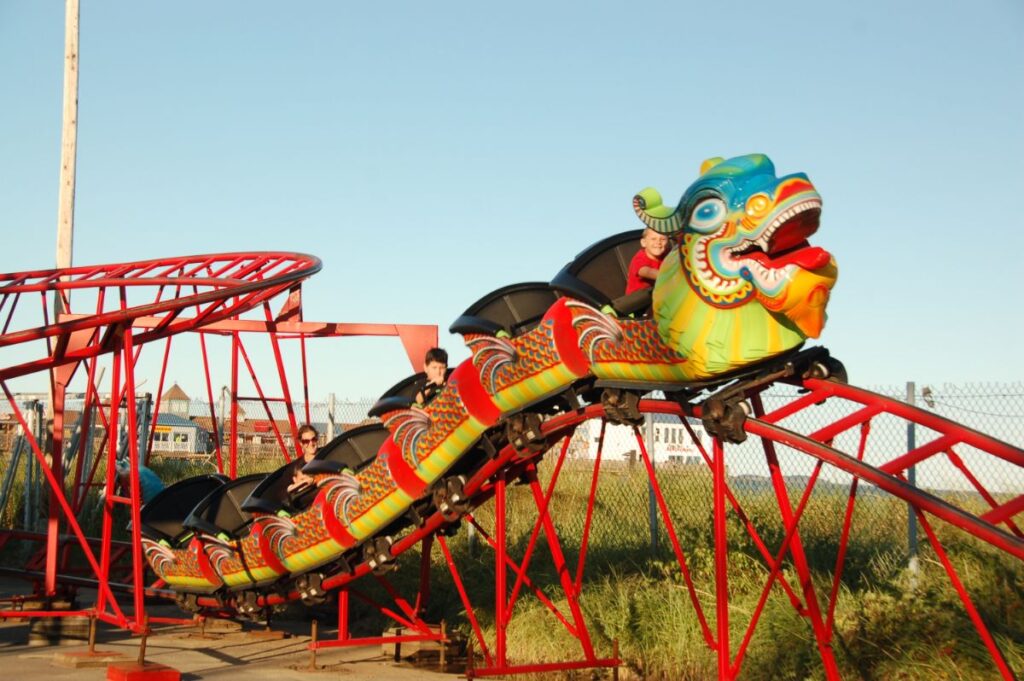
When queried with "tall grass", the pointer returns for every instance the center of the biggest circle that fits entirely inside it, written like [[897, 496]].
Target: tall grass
[[889, 623]]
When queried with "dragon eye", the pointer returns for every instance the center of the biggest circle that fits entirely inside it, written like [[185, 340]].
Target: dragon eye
[[758, 205], [707, 215]]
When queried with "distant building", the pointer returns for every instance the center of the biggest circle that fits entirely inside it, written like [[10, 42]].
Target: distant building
[[177, 436], [175, 401], [672, 441]]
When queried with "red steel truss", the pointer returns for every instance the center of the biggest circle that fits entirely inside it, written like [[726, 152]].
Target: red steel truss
[[996, 527], [118, 310], [208, 295]]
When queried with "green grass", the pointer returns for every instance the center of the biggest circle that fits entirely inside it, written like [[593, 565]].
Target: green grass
[[888, 623]]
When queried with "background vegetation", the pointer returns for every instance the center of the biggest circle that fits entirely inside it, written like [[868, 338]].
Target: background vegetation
[[890, 623]]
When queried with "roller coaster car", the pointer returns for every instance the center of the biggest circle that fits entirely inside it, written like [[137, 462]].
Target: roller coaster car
[[597, 275], [271, 495], [511, 310], [220, 513], [163, 518], [354, 449], [401, 395]]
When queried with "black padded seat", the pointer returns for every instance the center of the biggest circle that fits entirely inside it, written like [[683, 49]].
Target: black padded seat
[[401, 395], [162, 519], [354, 449], [271, 495], [597, 275], [513, 309], [220, 513]]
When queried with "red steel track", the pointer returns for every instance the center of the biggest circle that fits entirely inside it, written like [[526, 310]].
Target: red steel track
[[115, 311], [995, 526], [212, 287], [209, 294]]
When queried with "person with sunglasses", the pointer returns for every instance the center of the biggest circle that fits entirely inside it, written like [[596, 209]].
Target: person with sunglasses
[[308, 441]]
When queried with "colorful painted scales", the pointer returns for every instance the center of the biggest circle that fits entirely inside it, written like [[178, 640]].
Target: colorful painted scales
[[741, 286]]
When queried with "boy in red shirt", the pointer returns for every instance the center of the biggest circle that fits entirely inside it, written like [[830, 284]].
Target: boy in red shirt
[[643, 268]]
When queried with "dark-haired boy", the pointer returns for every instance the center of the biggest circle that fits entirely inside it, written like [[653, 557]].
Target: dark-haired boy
[[435, 366]]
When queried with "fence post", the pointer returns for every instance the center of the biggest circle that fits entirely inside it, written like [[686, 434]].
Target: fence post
[[144, 406], [652, 508], [912, 562], [330, 417]]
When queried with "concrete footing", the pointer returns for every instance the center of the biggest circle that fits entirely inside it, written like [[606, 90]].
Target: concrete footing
[[85, 659], [148, 671], [58, 630]]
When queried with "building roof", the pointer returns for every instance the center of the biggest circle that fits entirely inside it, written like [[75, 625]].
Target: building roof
[[175, 393], [174, 420], [263, 426]]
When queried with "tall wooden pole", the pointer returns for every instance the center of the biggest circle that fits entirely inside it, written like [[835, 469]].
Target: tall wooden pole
[[69, 138], [65, 232]]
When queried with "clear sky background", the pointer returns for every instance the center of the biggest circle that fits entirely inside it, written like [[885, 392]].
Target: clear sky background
[[431, 152]]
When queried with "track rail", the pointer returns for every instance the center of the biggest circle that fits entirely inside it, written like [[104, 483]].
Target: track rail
[[995, 527], [135, 303], [216, 287]]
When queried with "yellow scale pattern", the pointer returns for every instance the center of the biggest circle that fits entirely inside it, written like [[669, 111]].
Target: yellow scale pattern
[[527, 379], [375, 482], [309, 530], [446, 413], [313, 545], [640, 343], [184, 570], [234, 571], [640, 356]]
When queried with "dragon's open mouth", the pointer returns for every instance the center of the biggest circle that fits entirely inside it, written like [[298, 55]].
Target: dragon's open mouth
[[784, 241]]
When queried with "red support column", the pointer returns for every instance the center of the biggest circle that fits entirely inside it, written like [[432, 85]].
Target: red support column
[[218, 428], [135, 491], [423, 594], [56, 451], [470, 612], [285, 392], [796, 548], [109, 478], [721, 565], [670, 528], [500, 588], [585, 541], [233, 447], [561, 568], [343, 613]]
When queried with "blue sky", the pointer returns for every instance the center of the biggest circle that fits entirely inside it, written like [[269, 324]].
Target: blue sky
[[431, 152]]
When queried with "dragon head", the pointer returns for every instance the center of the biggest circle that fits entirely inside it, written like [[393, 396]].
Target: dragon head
[[742, 235]]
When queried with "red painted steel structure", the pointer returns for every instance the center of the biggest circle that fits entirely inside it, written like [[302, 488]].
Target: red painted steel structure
[[128, 306], [249, 281], [817, 608]]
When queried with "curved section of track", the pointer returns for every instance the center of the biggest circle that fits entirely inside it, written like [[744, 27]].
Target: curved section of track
[[995, 525], [182, 294], [885, 477]]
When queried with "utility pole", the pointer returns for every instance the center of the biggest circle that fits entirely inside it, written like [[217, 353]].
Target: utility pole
[[65, 230], [69, 144]]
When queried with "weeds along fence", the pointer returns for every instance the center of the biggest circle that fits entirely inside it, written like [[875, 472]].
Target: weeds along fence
[[887, 624], [184, 444]]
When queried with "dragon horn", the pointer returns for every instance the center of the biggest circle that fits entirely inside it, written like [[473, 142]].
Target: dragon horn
[[650, 210]]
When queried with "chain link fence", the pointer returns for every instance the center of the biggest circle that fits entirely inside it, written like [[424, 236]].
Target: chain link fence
[[626, 512]]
